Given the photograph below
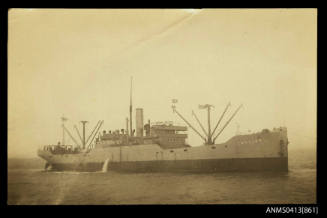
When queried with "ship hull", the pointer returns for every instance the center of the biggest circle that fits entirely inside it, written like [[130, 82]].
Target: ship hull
[[194, 166], [263, 151]]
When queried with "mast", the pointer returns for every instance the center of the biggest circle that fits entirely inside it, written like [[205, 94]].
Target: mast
[[83, 122], [131, 109], [127, 126], [63, 119], [208, 106], [209, 128]]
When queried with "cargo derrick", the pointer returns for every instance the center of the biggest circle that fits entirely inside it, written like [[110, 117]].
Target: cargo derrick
[[207, 140]]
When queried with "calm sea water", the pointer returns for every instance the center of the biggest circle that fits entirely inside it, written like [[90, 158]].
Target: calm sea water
[[35, 186]]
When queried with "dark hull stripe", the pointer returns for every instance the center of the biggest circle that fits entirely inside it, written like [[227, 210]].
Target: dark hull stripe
[[211, 165]]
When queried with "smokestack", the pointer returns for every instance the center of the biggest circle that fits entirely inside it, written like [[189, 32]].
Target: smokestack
[[139, 122]]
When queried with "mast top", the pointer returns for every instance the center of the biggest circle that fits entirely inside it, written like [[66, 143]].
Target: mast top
[[205, 106], [63, 118], [131, 90]]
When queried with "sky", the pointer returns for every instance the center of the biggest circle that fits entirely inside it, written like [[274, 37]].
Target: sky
[[79, 62]]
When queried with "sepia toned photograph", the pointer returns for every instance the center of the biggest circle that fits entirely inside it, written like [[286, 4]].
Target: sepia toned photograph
[[162, 106]]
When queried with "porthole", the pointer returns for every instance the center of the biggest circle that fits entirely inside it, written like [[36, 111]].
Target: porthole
[[225, 146], [185, 149], [213, 147], [171, 150]]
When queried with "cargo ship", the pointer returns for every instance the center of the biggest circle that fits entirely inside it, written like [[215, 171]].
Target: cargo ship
[[162, 147]]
